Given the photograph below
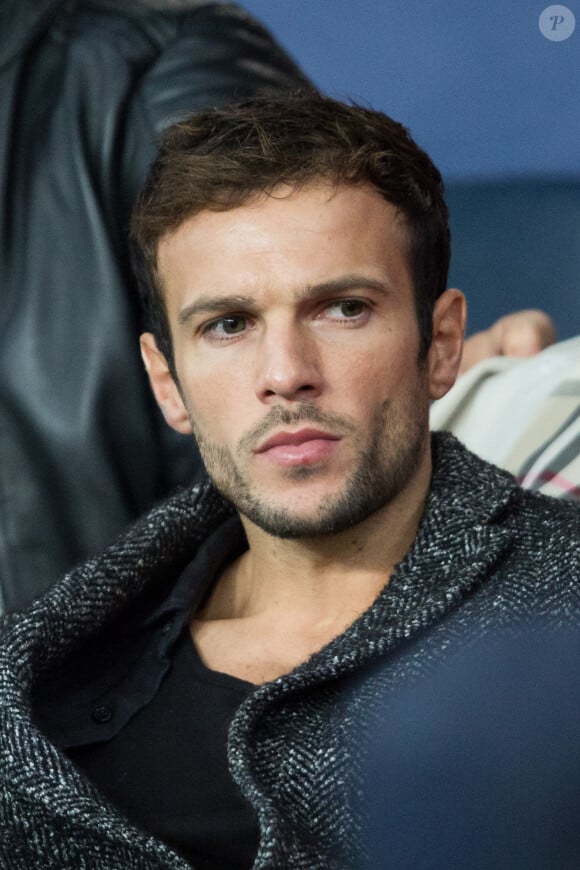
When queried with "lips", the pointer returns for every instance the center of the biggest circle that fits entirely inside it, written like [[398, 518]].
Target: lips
[[305, 447], [295, 439]]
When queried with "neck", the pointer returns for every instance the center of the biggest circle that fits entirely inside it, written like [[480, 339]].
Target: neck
[[328, 578]]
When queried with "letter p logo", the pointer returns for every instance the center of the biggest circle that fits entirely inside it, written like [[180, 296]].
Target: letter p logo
[[557, 23]]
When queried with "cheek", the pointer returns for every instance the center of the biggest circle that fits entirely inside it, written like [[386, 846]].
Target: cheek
[[216, 405], [386, 367], [395, 379]]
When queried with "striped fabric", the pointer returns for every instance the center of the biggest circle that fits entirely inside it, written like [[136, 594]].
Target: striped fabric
[[523, 415]]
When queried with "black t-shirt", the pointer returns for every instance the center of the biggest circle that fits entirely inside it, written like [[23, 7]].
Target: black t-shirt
[[138, 711], [167, 768]]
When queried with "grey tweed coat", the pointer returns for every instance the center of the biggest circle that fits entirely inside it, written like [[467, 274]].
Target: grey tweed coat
[[486, 555]]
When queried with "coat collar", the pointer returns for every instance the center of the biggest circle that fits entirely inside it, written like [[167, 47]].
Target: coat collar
[[459, 539]]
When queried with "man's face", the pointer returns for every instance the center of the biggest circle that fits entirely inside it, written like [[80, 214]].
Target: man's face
[[296, 347]]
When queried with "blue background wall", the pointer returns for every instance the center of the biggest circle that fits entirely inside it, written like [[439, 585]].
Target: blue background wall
[[496, 104]]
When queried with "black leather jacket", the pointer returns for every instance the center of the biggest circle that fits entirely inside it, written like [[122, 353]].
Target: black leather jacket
[[85, 89]]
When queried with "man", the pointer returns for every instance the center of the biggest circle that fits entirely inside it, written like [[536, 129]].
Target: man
[[201, 689], [86, 89]]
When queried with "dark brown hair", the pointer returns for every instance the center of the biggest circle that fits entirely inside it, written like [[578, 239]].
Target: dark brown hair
[[219, 158]]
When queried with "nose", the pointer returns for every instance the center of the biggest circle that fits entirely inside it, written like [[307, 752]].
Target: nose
[[288, 365]]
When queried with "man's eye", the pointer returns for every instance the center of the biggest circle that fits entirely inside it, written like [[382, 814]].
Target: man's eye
[[231, 325], [347, 308]]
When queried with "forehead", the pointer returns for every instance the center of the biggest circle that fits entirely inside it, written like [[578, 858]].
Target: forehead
[[292, 237]]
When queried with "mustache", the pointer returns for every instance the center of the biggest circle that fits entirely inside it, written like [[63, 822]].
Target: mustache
[[302, 413]]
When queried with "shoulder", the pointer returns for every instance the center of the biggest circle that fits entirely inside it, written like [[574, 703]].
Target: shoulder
[[544, 512], [540, 527], [147, 556], [546, 540], [538, 575]]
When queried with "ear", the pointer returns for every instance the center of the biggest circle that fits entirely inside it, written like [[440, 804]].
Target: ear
[[449, 316], [163, 385]]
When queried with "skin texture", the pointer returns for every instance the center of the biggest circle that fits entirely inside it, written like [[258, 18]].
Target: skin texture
[[293, 319]]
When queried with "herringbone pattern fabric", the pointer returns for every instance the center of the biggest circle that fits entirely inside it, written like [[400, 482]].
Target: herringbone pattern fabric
[[487, 556]]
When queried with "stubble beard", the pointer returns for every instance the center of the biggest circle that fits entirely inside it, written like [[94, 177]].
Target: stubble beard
[[381, 471]]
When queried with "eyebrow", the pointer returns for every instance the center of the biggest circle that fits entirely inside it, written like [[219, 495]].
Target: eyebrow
[[312, 292], [342, 285]]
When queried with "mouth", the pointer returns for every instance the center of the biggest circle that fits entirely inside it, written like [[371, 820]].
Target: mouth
[[295, 439], [305, 447]]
